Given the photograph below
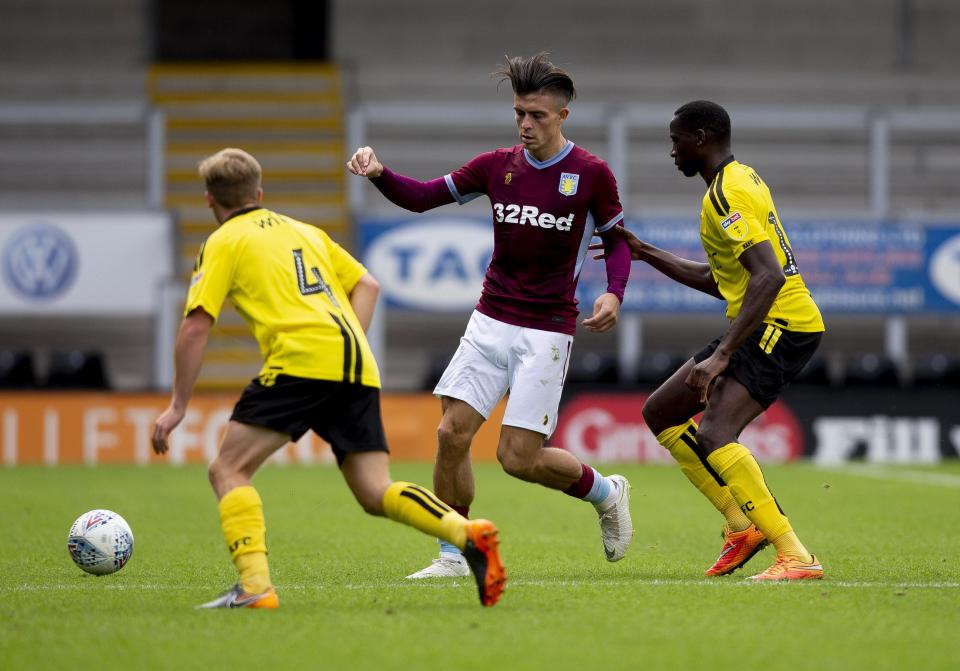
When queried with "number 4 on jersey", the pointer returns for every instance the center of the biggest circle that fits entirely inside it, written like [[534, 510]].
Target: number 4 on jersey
[[306, 288]]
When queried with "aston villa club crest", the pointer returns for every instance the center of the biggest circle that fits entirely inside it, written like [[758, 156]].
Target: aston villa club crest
[[568, 183]]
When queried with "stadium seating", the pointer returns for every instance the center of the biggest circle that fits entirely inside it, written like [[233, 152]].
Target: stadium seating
[[99, 54], [16, 370], [654, 368], [936, 370], [815, 373], [75, 369], [870, 369], [592, 368]]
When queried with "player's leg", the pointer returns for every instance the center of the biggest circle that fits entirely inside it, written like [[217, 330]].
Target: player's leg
[[453, 481], [367, 474], [470, 388], [667, 413], [522, 455], [730, 408], [538, 365], [452, 470], [244, 448]]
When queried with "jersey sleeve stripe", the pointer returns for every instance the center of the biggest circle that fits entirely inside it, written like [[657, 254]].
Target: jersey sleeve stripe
[[453, 189], [358, 364], [715, 202], [461, 200], [610, 224], [723, 201], [347, 348]]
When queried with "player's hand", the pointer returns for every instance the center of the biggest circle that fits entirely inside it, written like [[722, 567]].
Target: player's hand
[[635, 244], [606, 312], [704, 374], [364, 163], [165, 423]]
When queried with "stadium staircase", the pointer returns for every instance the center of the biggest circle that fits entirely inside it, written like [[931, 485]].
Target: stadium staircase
[[290, 116]]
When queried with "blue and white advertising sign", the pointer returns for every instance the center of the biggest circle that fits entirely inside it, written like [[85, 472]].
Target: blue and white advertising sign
[[433, 264], [89, 263], [40, 262], [851, 267]]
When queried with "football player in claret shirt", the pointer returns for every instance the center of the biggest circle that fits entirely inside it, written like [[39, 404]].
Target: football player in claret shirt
[[548, 198], [308, 303], [775, 327]]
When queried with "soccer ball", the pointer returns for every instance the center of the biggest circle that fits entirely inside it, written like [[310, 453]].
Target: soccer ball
[[100, 542]]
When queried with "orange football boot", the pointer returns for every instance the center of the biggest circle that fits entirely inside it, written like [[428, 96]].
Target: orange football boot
[[791, 568], [738, 548], [483, 555]]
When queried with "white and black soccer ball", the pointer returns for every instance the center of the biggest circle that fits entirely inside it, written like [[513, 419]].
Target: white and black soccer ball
[[100, 542]]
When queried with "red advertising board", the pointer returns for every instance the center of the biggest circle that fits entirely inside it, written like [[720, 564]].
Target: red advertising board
[[609, 427]]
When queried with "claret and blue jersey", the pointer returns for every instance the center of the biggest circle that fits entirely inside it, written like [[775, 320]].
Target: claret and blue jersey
[[544, 214]]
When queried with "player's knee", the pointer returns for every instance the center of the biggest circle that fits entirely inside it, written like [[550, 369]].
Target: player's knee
[[652, 416], [371, 503], [514, 463], [452, 440], [215, 472]]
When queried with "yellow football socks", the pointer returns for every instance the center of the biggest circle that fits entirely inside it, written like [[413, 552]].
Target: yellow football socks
[[419, 508], [241, 518], [742, 474], [680, 441]]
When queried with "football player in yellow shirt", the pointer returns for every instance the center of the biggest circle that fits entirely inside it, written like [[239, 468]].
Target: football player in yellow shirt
[[775, 327], [308, 303]]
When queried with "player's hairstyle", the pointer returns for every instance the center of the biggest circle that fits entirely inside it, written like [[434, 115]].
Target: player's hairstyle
[[232, 177], [536, 73], [706, 115]]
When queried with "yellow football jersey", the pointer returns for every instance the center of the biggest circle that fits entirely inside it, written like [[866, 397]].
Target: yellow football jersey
[[290, 282], [737, 213]]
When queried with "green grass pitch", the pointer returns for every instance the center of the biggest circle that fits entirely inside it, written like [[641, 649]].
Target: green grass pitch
[[889, 540]]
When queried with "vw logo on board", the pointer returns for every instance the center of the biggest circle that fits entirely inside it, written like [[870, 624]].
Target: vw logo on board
[[40, 262]]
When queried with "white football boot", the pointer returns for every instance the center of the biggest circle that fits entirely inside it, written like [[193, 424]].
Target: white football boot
[[616, 527], [447, 565]]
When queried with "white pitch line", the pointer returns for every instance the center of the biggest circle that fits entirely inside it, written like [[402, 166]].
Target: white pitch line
[[897, 474], [641, 582]]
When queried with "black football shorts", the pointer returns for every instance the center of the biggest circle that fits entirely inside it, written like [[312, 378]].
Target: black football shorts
[[769, 359], [345, 415]]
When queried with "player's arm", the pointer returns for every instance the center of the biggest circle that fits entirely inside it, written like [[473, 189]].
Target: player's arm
[[693, 274], [616, 256], [406, 192], [363, 299], [766, 279], [188, 357], [606, 209]]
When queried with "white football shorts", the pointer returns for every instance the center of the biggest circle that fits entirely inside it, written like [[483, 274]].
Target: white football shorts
[[494, 358]]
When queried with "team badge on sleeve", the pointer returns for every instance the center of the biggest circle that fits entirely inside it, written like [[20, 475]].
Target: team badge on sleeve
[[568, 183], [735, 226]]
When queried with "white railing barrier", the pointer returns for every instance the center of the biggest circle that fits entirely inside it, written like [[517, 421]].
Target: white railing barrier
[[877, 125]]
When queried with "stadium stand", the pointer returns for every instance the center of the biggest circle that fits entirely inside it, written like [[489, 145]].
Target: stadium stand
[[660, 53], [870, 369], [592, 368], [75, 369], [937, 371], [291, 118], [16, 370], [655, 367], [815, 374]]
